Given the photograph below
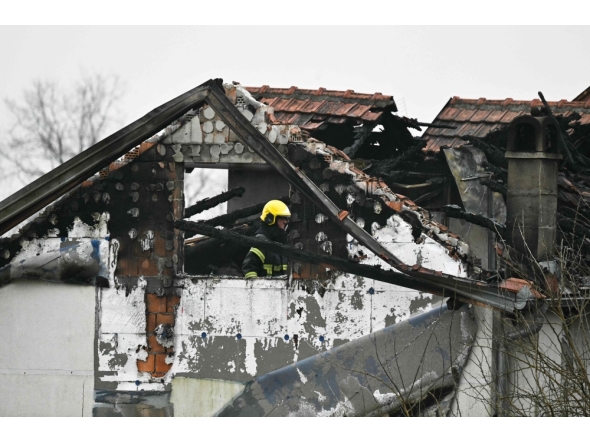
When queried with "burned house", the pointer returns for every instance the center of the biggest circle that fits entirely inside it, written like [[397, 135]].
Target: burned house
[[137, 316], [521, 169]]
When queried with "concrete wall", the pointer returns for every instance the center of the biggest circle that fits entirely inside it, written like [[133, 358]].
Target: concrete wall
[[47, 349]]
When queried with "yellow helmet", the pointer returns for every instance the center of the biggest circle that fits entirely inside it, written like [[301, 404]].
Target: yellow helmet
[[274, 209]]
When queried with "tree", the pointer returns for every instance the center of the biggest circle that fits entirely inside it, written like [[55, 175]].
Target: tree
[[53, 123]]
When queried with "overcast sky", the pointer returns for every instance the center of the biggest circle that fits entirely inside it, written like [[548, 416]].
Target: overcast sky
[[422, 67]]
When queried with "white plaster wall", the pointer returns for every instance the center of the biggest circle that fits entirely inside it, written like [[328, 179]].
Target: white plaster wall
[[267, 314], [121, 339], [533, 364], [47, 349], [474, 392]]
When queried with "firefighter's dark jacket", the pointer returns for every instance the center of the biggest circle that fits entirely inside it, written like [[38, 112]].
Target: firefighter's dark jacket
[[262, 263]]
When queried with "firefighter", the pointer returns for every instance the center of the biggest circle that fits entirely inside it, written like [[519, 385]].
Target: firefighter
[[262, 263]]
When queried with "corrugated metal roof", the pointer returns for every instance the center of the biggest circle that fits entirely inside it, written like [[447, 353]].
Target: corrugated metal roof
[[478, 117], [319, 105]]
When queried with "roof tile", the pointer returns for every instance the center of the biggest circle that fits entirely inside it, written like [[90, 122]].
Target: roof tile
[[510, 116], [341, 105], [449, 113], [358, 110], [496, 115], [465, 115], [480, 117]]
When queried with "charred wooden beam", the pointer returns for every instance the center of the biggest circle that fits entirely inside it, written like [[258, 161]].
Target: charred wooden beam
[[206, 251], [212, 202], [387, 166], [360, 136], [477, 219], [417, 125], [227, 219], [563, 143], [494, 154], [345, 265], [495, 186], [427, 197], [501, 173]]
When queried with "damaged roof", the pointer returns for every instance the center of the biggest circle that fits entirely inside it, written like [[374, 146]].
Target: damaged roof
[[310, 108], [65, 177], [479, 117]]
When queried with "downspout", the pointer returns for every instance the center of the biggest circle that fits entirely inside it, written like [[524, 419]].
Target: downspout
[[502, 359]]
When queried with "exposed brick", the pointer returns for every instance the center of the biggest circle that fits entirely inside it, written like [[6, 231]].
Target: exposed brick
[[154, 346], [127, 266], [172, 302], [160, 246], [151, 322], [164, 319], [158, 374], [148, 365], [155, 304], [147, 266], [145, 146], [137, 249], [161, 365]]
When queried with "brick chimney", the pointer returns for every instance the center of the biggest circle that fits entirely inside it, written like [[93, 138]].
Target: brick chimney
[[533, 159]]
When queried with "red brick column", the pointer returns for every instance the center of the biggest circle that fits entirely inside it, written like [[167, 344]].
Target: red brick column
[[159, 310]]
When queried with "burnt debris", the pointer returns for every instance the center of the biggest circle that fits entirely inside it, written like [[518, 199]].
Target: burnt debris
[[573, 198], [344, 265], [212, 202]]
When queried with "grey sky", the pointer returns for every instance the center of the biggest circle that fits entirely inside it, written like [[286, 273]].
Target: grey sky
[[422, 67]]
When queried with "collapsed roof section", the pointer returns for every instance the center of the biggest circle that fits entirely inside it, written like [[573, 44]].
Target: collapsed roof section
[[47, 188], [346, 120], [476, 156], [479, 117]]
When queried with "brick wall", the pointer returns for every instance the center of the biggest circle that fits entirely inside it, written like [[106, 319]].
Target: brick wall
[[150, 197]]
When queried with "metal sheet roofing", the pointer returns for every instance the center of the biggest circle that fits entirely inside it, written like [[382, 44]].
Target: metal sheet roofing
[[479, 117], [310, 108]]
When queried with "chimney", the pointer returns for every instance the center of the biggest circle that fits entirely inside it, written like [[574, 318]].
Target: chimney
[[533, 159]]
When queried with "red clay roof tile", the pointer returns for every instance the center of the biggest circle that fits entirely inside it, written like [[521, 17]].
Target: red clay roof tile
[[340, 106], [465, 115], [449, 113], [481, 116], [510, 116]]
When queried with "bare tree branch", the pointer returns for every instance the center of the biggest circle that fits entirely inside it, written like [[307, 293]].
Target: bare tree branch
[[54, 123]]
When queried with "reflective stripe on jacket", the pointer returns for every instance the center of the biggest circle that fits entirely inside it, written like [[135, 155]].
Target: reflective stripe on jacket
[[260, 263]]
